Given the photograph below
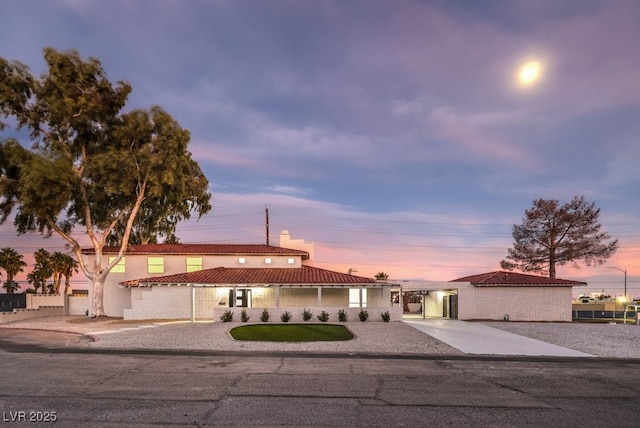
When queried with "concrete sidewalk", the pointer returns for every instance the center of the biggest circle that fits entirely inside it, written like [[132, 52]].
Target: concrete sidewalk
[[476, 338]]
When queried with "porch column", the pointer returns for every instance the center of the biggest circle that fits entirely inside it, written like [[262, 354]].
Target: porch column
[[193, 303], [277, 296], [360, 291], [319, 297]]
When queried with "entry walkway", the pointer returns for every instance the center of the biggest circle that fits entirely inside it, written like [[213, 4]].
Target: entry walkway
[[476, 338]]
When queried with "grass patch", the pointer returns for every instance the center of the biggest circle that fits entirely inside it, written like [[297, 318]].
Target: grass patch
[[291, 333]]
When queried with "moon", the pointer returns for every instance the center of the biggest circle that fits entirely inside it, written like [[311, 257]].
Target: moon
[[530, 73]]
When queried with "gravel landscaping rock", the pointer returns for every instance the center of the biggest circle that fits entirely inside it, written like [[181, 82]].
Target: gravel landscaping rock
[[602, 340]]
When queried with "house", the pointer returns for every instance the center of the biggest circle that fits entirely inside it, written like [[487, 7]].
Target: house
[[498, 296], [202, 281]]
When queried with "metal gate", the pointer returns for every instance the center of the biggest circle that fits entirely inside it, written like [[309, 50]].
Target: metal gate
[[9, 302]]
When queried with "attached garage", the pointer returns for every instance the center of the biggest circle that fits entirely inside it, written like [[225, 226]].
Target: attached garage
[[498, 296]]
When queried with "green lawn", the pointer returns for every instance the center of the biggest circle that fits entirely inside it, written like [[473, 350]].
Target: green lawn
[[291, 332]]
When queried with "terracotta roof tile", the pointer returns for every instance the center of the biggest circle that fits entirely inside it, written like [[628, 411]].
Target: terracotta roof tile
[[254, 276], [204, 249], [502, 278]]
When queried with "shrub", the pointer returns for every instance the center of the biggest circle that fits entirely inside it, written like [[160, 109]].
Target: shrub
[[386, 316], [243, 316], [285, 317], [307, 314], [227, 316], [324, 316], [265, 316], [363, 315], [342, 315]]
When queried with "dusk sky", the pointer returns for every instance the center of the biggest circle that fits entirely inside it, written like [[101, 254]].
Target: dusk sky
[[395, 135]]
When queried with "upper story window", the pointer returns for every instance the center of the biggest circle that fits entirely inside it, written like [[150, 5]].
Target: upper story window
[[267, 260], [242, 260], [155, 264], [291, 261], [119, 267], [194, 264]]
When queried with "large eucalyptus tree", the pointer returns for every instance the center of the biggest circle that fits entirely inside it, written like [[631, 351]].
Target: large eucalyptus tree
[[91, 166]]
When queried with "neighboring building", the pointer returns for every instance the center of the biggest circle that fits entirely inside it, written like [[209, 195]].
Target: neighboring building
[[201, 281], [498, 296]]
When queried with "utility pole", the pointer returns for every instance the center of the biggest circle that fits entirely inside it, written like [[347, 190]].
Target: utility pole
[[266, 213]]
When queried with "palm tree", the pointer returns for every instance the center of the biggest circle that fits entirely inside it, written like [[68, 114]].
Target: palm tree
[[11, 262], [381, 276], [63, 265], [33, 277], [42, 270], [11, 287]]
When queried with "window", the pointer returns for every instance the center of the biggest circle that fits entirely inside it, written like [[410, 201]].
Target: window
[[291, 260], [354, 297], [194, 264], [267, 260], [242, 260], [155, 264], [119, 267]]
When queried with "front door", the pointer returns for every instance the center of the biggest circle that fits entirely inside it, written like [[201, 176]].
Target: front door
[[450, 306], [242, 298]]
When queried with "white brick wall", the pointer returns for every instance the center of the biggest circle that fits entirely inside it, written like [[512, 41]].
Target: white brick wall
[[175, 303], [519, 303], [116, 298]]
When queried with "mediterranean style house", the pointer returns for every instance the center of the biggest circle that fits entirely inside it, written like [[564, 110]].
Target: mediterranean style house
[[203, 281]]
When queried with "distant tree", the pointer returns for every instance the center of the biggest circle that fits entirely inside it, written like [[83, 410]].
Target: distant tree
[[63, 266], [11, 287], [42, 271], [91, 166], [381, 276], [12, 263], [552, 235]]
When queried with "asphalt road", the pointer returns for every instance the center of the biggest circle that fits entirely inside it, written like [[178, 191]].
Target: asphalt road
[[47, 375]]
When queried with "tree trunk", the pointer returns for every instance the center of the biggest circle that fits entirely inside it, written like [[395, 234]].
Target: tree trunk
[[98, 292], [552, 262]]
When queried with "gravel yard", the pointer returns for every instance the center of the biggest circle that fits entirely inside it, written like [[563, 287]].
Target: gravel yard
[[602, 340]]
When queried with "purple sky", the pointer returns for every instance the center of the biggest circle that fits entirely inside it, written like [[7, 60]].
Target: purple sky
[[392, 134]]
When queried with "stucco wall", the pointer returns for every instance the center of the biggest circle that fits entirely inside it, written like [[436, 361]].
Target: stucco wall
[[34, 301], [77, 305]]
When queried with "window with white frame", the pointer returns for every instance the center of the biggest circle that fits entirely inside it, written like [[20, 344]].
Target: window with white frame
[[119, 267], [155, 264], [354, 297], [194, 264]]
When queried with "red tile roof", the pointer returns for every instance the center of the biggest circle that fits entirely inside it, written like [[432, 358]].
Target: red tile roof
[[502, 278], [204, 249], [305, 275]]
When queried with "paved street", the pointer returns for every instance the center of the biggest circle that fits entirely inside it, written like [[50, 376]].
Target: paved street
[[55, 375]]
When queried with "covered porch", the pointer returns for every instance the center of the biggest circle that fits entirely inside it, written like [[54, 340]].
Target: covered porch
[[430, 299], [208, 295]]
